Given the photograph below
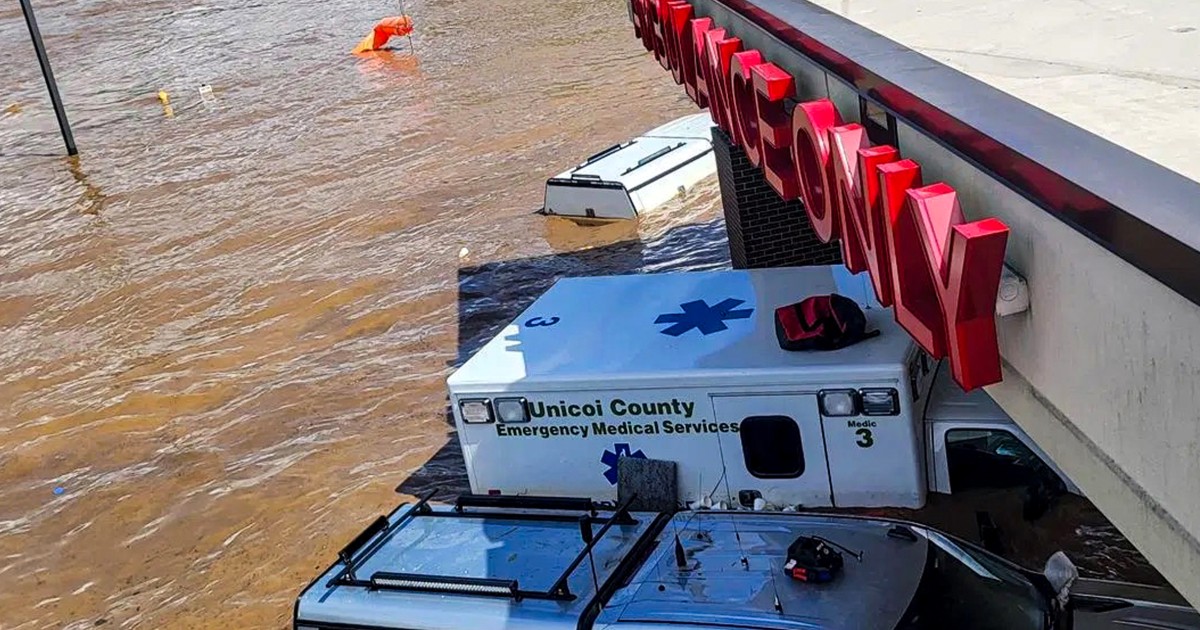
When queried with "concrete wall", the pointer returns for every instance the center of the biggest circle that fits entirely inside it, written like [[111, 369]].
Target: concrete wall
[[1103, 371]]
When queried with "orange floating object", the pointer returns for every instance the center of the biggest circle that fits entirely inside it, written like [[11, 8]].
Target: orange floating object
[[386, 29]]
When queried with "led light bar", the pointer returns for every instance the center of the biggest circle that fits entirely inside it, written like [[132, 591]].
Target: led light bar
[[443, 584]]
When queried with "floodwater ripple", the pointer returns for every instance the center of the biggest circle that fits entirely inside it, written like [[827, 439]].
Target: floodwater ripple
[[224, 335]]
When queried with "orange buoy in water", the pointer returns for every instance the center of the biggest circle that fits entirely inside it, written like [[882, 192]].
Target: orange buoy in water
[[386, 29]]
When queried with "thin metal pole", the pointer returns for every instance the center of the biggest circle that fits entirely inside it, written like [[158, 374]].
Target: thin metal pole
[[411, 49], [48, 74]]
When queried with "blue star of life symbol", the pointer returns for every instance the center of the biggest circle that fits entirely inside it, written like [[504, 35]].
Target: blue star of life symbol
[[610, 459], [698, 314]]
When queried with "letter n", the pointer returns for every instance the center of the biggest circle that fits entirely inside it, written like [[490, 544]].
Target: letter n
[[720, 51], [698, 89], [847, 198], [916, 301]]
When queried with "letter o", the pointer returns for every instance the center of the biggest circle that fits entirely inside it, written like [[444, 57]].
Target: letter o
[[810, 150], [745, 102]]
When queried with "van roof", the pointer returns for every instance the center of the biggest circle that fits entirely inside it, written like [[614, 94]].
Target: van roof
[[437, 566], [648, 327], [716, 588], [431, 566]]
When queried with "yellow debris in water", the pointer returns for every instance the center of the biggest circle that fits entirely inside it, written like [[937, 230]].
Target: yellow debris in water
[[14, 108], [165, 99]]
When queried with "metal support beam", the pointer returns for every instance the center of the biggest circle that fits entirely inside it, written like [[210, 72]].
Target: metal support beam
[[48, 74]]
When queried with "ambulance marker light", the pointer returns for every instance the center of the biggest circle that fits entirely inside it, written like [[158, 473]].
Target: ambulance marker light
[[477, 411], [511, 410], [838, 402], [880, 402]]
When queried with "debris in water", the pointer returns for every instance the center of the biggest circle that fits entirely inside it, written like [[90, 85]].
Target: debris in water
[[206, 94], [386, 29], [59, 490], [13, 108], [462, 253], [165, 99]]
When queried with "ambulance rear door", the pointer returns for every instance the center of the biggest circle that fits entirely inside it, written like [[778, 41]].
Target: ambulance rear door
[[777, 450], [875, 449]]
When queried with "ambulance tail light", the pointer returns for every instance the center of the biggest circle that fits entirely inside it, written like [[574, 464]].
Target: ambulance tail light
[[476, 411], [880, 402], [838, 402], [512, 410]]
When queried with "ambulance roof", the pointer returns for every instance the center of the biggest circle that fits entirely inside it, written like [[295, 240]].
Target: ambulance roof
[[656, 328]]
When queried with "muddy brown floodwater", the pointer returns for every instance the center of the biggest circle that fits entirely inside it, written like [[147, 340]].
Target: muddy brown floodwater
[[224, 334]]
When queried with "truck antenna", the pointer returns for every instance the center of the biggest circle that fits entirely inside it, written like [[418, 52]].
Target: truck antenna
[[680, 554], [738, 536], [729, 496]]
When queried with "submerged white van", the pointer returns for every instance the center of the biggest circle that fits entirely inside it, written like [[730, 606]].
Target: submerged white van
[[637, 176], [686, 367]]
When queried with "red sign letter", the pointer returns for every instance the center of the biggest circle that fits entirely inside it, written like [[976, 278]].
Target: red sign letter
[[873, 233], [682, 67], [742, 101], [916, 306], [811, 123], [641, 23], [659, 17], [699, 89], [864, 240], [966, 260], [720, 55], [772, 86], [846, 196]]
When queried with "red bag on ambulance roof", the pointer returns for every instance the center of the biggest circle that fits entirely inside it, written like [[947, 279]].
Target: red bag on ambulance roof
[[821, 322]]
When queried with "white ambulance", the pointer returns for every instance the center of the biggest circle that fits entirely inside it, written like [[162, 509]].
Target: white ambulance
[[686, 367]]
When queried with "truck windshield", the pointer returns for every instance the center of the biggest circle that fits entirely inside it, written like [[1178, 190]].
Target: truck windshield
[[964, 587]]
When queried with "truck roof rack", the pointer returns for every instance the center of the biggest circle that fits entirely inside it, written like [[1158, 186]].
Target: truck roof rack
[[354, 555]]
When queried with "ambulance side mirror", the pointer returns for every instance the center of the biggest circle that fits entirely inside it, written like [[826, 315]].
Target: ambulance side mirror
[[1061, 573]]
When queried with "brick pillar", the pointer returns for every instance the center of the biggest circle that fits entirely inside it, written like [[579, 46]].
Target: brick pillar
[[763, 229]]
